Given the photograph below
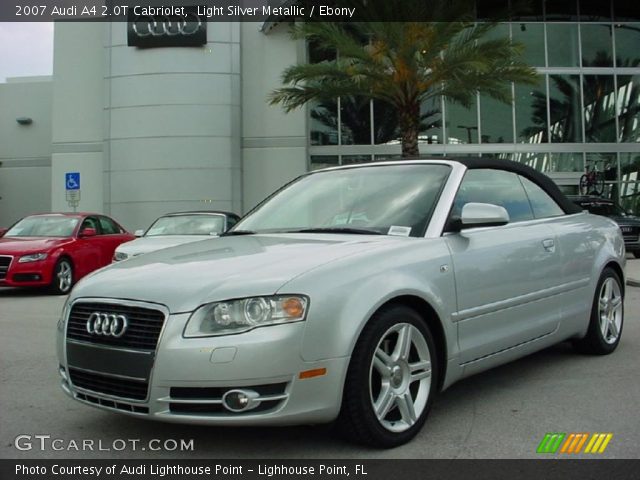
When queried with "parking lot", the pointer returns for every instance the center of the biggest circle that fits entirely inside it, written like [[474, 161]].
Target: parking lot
[[503, 413]]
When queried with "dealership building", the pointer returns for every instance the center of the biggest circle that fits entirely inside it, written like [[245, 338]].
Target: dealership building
[[158, 127]]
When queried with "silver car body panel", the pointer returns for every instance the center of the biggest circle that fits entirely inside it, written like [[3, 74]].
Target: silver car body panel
[[495, 293]]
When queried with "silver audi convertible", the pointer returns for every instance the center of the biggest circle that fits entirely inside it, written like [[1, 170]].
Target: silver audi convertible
[[352, 294]]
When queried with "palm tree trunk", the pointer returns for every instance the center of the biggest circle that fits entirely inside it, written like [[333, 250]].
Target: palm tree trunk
[[410, 128]]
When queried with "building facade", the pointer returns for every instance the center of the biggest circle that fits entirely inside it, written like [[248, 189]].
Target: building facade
[[152, 130]]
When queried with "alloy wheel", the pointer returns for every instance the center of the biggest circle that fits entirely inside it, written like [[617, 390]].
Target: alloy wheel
[[610, 310]]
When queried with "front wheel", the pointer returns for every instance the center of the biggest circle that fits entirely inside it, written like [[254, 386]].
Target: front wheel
[[391, 379], [607, 316], [62, 277]]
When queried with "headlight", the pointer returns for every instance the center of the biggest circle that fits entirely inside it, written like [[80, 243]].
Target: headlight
[[63, 315], [119, 256], [236, 316], [34, 257]]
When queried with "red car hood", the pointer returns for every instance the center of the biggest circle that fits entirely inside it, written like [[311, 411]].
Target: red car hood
[[23, 245]]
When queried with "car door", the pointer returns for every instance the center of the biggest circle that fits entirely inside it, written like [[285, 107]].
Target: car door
[[87, 255], [112, 236], [503, 274]]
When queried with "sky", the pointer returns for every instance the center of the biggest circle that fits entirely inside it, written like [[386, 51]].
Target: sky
[[26, 49]]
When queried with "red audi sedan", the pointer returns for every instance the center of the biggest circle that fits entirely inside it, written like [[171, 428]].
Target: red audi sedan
[[58, 249]]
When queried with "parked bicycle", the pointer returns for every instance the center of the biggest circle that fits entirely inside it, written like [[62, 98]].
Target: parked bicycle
[[592, 182]]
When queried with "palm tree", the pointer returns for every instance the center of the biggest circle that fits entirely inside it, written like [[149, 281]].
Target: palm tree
[[404, 64]]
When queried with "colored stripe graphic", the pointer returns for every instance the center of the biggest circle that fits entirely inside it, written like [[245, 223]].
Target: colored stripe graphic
[[550, 442], [598, 443], [573, 443]]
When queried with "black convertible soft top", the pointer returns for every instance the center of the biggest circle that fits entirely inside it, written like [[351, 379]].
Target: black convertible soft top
[[526, 171]]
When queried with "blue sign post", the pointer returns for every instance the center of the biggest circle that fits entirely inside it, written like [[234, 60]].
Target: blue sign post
[[72, 188]]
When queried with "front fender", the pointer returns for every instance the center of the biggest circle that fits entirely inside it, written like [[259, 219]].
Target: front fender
[[344, 298]]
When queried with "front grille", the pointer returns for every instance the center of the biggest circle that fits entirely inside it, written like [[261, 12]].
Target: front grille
[[126, 407], [142, 333], [5, 261], [108, 385]]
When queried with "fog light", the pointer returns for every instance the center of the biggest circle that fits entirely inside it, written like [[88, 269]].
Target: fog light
[[240, 400]]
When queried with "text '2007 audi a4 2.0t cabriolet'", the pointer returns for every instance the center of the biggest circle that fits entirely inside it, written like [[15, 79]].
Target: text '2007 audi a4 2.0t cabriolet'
[[353, 294]]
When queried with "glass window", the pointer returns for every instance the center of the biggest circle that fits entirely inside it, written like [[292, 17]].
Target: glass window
[[565, 109], [462, 123], [567, 162], [597, 45], [542, 204], [324, 122], [607, 164], [355, 118], [562, 44], [108, 226], [187, 225], [431, 121], [531, 113], [354, 159], [595, 11], [564, 10], [43, 226], [531, 35], [599, 108], [324, 161], [496, 187], [630, 167], [630, 197], [528, 11], [627, 41], [628, 107], [496, 120], [538, 161], [90, 222], [626, 11], [386, 128], [370, 199]]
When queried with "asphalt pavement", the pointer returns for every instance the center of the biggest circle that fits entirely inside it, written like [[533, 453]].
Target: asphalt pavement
[[502, 413]]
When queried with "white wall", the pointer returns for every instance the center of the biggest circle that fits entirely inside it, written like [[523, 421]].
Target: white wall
[[25, 150], [274, 143]]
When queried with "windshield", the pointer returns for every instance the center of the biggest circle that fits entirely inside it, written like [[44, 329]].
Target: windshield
[[383, 199], [187, 225], [43, 226]]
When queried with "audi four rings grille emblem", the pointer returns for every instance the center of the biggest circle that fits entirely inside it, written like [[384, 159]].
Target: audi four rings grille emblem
[[159, 26], [107, 324]]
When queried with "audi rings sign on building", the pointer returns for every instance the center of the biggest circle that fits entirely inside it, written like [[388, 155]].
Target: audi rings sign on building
[[107, 324], [146, 31]]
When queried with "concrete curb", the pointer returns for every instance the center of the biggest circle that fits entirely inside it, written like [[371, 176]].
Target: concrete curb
[[633, 283]]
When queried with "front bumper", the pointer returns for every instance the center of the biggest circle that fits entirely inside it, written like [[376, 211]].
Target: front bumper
[[28, 274], [190, 376]]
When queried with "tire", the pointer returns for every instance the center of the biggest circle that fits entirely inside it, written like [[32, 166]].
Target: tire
[[598, 186], [607, 316], [62, 279], [636, 253], [404, 393], [584, 184]]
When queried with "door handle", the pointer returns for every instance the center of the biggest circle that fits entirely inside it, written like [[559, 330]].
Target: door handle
[[549, 245]]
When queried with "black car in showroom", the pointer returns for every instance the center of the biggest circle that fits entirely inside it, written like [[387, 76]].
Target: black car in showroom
[[629, 223]]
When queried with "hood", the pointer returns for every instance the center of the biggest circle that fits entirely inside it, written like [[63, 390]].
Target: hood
[[187, 276], [25, 245], [151, 244]]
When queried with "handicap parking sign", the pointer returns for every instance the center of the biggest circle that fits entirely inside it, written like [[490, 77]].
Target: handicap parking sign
[[72, 181]]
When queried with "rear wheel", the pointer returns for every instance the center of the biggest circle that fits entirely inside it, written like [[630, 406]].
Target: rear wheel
[[391, 379], [607, 316], [62, 277]]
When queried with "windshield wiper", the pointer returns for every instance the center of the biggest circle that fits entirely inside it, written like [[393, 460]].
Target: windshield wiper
[[237, 232], [357, 231]]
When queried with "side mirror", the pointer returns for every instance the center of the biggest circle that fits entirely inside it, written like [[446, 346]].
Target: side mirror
[[476, 215], [138, 233], [88, 232]]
